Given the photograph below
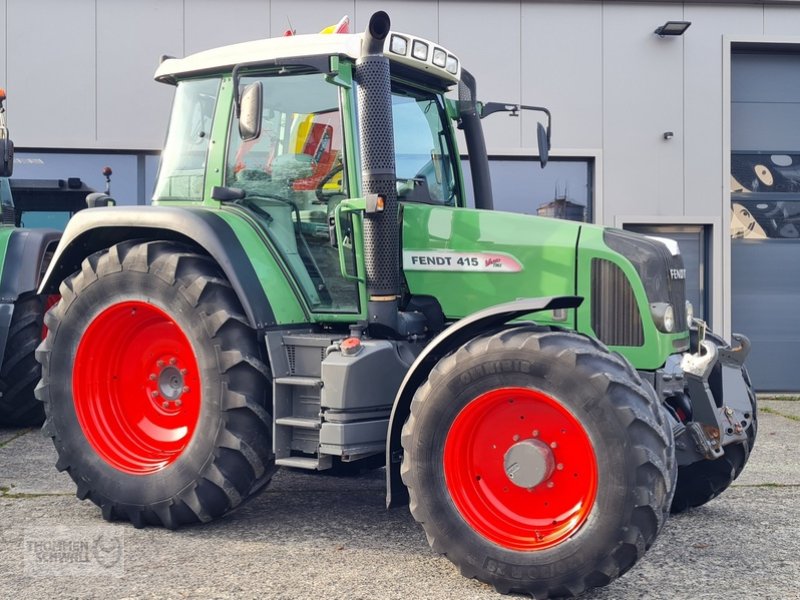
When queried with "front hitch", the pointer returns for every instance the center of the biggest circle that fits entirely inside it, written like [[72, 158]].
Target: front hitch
[[722, 415]]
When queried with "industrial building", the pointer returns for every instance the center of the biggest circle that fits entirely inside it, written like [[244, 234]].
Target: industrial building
[[690, 132]]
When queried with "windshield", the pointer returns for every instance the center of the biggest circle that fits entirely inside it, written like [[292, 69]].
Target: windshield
[[182, 172], [293, 178], [422, 153]]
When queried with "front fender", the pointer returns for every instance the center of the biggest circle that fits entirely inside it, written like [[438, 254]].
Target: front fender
[[451, 338], [94, 229]]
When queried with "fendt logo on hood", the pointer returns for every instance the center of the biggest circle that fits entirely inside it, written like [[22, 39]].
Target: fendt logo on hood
[[677, 273]]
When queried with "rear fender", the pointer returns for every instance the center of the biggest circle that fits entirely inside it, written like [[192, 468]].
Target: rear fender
[[26, 257], [94, 229], [451, 338], [25, 260]]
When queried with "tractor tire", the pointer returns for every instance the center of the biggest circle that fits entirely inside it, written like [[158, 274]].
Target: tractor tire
[[702, 481], [538, 462], [154, 388], [20, 372]]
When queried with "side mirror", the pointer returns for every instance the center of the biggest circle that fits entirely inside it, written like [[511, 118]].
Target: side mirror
[[6, 157], [250, 110], [544, 144]]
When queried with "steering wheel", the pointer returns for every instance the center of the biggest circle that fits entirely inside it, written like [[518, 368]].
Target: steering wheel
[[322, 197]]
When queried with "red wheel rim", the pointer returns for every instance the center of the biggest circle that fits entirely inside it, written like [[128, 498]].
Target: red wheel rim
[[520, 469], [136, 387]]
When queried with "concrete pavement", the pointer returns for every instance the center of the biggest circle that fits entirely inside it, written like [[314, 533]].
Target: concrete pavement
[[314, 536]]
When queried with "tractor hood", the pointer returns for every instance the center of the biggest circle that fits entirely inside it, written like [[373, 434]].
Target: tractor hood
[[472, 259]]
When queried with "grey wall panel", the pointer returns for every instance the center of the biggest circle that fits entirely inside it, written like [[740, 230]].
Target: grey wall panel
[[308, 16], [132, 109], [703, 98], [782, 20], [562, 69], [412, 16], [765, 308], [50, 72], [211, 23], [488, 41], [642, 98]]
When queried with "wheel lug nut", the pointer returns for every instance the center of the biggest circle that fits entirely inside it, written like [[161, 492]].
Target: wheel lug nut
[[184, 371], [553, 445], [152, 376], [535, 433], [515, 438], [185, 388], [550, 484], [160, 363], [178, 402], [560, 466], [154, 394], [165, 404], [173, 360]]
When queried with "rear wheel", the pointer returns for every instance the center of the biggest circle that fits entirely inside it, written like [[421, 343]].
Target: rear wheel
[[154, 388], [538, 462], [20, 372]]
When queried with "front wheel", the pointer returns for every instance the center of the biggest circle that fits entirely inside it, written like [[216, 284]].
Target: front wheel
[[538, 462], [153, 386]]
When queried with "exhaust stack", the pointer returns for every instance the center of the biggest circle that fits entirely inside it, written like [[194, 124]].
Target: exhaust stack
[[378, 176]]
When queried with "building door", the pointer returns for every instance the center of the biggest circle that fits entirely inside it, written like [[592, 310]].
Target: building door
[[765, 211]]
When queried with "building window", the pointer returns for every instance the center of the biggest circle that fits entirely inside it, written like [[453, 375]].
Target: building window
[[564, 189]]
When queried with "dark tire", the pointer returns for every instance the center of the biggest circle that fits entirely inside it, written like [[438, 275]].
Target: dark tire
[[20, 372], [154, 388], [702, 481], [613, 453]]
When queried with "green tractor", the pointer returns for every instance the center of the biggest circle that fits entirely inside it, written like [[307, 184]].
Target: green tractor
[[24, 256], [311, 291]]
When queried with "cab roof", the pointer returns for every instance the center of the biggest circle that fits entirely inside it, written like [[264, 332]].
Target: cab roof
[[223, 59]]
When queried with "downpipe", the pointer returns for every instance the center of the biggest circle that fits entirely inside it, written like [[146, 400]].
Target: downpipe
[[378, 180]]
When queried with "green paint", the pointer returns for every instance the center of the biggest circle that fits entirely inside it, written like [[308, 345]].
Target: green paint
[[215, 165], [544, 247], [657, 345], [5, 235], [283, 297]]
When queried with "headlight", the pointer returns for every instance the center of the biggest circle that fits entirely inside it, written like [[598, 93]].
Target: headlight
[[689, 313], [664, 316]]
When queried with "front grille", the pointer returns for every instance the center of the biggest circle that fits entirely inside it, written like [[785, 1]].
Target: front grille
[[615, 315], [677, 292], [653, 263]]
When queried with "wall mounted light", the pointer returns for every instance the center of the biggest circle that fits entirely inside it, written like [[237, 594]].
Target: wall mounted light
[[672, 28]]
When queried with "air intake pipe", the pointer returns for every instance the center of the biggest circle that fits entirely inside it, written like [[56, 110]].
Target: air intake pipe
[[378, 177]]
